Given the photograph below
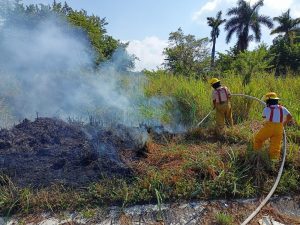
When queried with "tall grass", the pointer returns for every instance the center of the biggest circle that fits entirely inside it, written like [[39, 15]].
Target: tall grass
[[192, 97]]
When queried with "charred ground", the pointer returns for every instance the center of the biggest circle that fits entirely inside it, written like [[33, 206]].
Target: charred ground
[[49, 150]]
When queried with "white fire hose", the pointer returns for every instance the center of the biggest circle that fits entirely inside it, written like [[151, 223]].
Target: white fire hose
[[250, 217]]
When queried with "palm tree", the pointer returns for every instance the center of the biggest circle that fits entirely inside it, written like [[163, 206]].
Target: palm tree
[[246, 18], [214, 23], [290, 27]]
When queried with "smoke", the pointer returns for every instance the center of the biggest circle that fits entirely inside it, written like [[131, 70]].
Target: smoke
[[47, 68]]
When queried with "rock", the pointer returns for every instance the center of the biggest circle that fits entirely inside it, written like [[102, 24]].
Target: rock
[[50, 222], [266, 220]]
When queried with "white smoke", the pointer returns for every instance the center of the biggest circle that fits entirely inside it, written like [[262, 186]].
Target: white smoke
[[47, 69]]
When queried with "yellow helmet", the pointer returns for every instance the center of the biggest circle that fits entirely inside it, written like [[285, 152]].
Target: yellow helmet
[[213, 81], [271, 95]]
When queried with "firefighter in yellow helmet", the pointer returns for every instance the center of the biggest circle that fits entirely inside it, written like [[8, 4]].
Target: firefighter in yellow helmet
[[221, 101], [276, 117]]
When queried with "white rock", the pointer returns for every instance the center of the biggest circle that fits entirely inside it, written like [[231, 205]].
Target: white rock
[[266, 220], [49, 222]]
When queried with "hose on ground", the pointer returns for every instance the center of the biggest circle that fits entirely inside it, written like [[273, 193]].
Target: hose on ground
[[266, 199]]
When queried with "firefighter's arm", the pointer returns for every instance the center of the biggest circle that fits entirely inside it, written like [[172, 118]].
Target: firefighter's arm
[[214, 99], [288, 119], [214, 103], [264, 113]]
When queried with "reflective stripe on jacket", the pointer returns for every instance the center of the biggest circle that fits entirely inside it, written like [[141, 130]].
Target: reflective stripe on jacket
[[275, 113]]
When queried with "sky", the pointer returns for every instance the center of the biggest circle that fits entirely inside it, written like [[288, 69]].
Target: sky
[[146, 24]]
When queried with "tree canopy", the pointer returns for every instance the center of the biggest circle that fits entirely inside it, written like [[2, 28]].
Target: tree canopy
[[93, 26], [186, 54], [214, 23], [287, 25], [245, 18]]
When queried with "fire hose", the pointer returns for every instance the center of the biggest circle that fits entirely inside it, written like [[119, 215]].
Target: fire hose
[[266, 199]]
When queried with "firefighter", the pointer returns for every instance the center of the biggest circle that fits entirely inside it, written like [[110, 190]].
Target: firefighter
[[221, 101], [276, 117]]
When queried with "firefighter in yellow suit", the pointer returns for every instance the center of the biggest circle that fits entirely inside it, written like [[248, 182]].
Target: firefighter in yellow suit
[[276, 117], [221, 101]]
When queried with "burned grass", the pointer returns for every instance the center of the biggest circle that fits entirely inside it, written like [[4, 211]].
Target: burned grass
[[48, 151], [169, 169]]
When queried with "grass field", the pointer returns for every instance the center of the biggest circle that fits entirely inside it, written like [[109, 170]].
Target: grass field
[[196, 165], [193, 96]]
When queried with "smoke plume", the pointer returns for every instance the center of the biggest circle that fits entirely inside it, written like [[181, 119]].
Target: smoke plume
[[47, 69]]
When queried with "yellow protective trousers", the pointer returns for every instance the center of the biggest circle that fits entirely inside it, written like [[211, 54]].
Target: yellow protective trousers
[[274, 132], [223, 111]]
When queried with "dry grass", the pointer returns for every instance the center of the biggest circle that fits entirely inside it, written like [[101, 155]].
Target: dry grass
[[197, 166]]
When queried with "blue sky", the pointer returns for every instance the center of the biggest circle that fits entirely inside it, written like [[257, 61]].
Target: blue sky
[[146, 24]]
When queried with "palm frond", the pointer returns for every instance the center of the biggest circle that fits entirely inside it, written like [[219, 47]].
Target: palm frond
[[233, 11], [257, 32], [257, 5], [265, 20], [234, 21], [230, 33]]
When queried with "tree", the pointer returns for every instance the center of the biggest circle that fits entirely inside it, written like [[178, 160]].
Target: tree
[[186, 55], [244, 19], [92, 26], [287, 56], [214, 23], [224, 62], [287, 25], [248, 63]]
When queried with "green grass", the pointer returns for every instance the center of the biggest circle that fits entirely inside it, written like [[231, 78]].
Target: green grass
[[199, 166], [183, 170], [223, 219], [192, 97]]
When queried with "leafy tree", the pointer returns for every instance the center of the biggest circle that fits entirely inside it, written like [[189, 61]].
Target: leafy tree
[[244, 19], [245, 64], [93, 26], [186, 55], [287, 56], [30, 15], [296, 37], [286, 47], [248, 63], [224, 61], [287, 25], [214, 23]]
